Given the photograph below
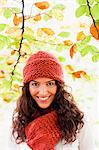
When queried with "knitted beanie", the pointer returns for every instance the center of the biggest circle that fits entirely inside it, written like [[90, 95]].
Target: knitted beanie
[[42, 64]]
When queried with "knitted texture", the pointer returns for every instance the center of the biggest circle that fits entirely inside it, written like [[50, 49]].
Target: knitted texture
[[42, 64], [43, 133]]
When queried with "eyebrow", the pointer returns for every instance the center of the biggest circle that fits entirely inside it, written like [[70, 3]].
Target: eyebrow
[[45, 82]]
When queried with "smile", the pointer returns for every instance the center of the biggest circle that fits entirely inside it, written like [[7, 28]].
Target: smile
[[43, 98]]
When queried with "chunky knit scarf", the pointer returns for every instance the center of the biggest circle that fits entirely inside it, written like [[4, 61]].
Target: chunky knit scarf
[[43, 133]]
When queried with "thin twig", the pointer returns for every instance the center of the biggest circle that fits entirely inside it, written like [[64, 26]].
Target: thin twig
[[20, 45], [92, 17]]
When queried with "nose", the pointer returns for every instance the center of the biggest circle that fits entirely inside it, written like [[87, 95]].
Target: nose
[[43, 90]]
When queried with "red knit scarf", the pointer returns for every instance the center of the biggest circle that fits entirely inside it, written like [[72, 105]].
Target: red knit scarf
[[43, 133]]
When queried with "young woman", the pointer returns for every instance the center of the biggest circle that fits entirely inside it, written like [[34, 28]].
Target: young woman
[[46, 116]]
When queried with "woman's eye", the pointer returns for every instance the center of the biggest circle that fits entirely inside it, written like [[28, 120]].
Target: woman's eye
[[51, 83], [35, 84]]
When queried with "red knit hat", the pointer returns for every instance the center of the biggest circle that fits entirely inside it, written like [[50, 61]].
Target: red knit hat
[[42, 64]]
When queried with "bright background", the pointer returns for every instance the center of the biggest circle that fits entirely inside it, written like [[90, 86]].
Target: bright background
[[86, 92]]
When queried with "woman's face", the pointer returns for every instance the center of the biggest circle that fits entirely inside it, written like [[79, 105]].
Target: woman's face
[[43, 91]]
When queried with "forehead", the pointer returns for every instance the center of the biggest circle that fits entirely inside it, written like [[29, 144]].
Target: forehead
[[42, 80]]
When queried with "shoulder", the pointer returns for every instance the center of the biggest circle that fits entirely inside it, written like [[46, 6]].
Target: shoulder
[[85, 138]]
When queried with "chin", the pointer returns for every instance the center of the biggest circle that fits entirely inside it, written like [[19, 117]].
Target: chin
[[44, 106]]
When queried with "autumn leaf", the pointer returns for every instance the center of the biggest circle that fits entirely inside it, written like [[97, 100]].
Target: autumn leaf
[[14, 31], [95, 30], [80, 36], [72, 50], [68, 42], [10, 61], [69, 68], [2, 74], [13, 52], [16, 20], [42, 5], [48, 31], [37, 17], [79, 74]]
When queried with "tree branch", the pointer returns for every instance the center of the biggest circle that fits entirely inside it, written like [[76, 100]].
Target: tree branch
[[20, 45], [92, 17]]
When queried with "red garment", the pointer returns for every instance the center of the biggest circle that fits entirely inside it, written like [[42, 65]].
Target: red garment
[[43, 133], [42, 64]]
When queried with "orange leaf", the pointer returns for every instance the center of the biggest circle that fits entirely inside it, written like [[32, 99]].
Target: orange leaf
[[95, 30], [42, 5], [78, 74], [48, 31], [37, 17], [70, 68], [68, 42], [72, 50], [80, 36], [16, 20]]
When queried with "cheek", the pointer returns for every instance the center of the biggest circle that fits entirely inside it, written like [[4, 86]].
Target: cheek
[[53, 91], [32, 91]]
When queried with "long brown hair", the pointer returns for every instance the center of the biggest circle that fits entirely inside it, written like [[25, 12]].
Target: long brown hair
[[70, 117]]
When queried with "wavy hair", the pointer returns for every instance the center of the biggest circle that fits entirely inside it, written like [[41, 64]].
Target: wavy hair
[[70, 117]]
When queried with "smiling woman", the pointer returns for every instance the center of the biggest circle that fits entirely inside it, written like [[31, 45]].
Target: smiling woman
[[46, 116], [43, 91]]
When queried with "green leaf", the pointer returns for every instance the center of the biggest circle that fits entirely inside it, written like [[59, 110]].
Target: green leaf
[[64, 34], [2, 44], [15, 10], [84, 51], [62, 59], [7, 13], [93, 50], [5, 39], [81, 2], [59, 6], [29, 38], [97, 1], [2, 27], [47, 17], [95, 11], [79, 46], [95, 58], [87, 11], [59, 48], [91, 2], [80, 10], [87, 39]]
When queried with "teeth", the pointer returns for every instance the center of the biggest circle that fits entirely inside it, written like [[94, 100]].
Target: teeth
[[43, 98]]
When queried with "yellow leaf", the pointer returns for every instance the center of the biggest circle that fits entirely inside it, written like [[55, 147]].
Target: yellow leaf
[[80, 36], [10, 61], [48, 31], [69, 68], [82, 25], [37, 17], [42, 5], [68, 42], [14, 31]]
